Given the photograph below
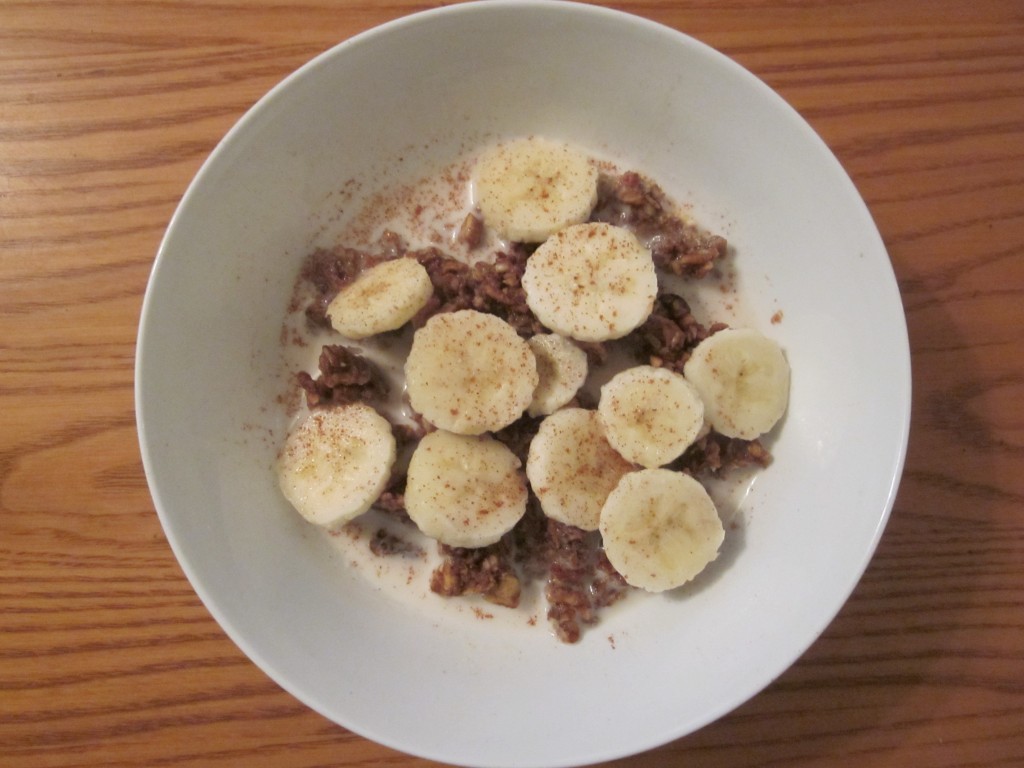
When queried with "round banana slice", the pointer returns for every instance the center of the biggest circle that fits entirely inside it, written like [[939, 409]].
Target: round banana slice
[[562, 367], [572, 468], [383, 298], [591, 282], [464, 490], [743, 378], [650, 415], [469, 372], [336, 463], [529, 188], [660, 529]]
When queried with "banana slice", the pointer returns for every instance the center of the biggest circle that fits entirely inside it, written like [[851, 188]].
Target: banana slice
[[382, 298], [464, 490], [469, 372], [530, 188], [650, 415], [591, 282], [562, 368], [336, 463], [660, 529], [572, 468], [743, 378]]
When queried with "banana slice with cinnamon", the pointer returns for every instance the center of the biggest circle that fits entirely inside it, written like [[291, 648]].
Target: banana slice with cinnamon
[[660, 529], [529, 188], [336, 462], [464, 490], [743, 379], [469, 372], [591, 282]]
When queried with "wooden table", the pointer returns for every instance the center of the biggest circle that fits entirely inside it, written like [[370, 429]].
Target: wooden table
[[107, 109]]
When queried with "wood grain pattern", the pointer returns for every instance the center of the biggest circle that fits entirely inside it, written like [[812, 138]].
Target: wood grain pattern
[[107, 109]]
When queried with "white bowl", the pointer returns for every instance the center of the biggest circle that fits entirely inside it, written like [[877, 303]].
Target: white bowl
[[423, 88]]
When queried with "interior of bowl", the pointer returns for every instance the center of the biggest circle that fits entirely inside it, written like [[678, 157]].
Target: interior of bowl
[[415, 93]]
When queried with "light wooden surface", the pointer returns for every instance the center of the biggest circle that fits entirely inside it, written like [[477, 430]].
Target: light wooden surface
[[107, 109]]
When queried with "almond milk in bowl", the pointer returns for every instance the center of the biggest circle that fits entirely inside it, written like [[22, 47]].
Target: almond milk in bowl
[[381, 118]]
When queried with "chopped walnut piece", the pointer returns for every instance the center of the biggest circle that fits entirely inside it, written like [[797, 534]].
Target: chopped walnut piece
[[485, 571], [345, 377], [669, 335], [715, 453], [471, 231], [493, 288], [569, 574]]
